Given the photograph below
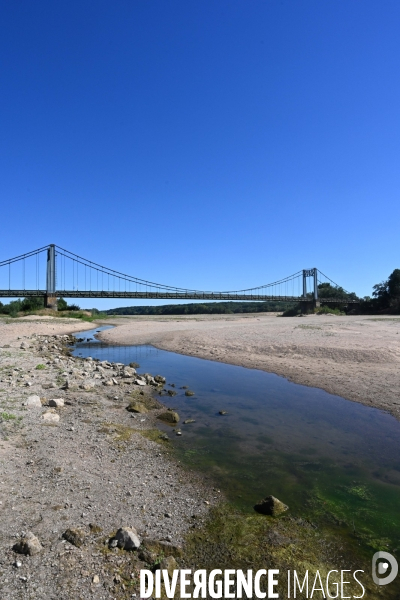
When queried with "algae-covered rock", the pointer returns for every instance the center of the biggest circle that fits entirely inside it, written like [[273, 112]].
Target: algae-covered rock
[[189, 393], [271, 506], [159, 547], [169, 416], [74, 536], [169, 564], [136, 407]]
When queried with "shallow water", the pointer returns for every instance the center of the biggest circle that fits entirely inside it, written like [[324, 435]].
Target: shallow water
[[329, 459]]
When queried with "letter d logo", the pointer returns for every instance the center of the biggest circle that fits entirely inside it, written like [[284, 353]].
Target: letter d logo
[[380, 568]]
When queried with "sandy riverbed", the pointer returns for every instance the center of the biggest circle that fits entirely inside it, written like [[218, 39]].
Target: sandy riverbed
[[356, 357]]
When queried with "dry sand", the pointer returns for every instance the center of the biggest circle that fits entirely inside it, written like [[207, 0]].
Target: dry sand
[[356, 357]]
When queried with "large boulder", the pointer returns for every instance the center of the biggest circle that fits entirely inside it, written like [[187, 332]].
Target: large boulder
[[271, 506]]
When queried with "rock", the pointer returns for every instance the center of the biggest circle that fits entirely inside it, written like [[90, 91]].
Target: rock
[[189, 393], [51, 417], [271, 506], [159, 379], [108, 382], [86, 386], [48, 386], [189, 421], [169, 416], [140, 382], [222, 412], [126, 538], [76, 537], [134, 365], [24, 346], [171, 393], [128, 372], [29, 544], [57, 402], [137, 407], [150, 379], [169, 564], [160, 547], [96, 579], [33, 402]]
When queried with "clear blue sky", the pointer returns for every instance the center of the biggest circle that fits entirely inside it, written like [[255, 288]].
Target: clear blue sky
[[205, 144]]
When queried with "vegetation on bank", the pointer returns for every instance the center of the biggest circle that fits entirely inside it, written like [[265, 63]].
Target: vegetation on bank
[[325, 290], [203, 308], [385, 299], [35, 306]]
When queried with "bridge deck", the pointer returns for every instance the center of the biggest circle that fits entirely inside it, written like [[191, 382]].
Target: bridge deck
[[170, 296]]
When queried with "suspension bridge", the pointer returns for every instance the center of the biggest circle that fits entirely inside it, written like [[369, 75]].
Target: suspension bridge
[[53, 272]]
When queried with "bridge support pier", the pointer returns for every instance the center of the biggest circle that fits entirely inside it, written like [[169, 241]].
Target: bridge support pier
[[50, 301], [308, 306]]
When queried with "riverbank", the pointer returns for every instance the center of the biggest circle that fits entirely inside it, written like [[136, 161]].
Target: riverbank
[[94, 469], [87, 465], [356, 357]]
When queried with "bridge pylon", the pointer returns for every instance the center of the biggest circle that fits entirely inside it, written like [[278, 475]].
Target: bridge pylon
[[50, 299], [307, 303]]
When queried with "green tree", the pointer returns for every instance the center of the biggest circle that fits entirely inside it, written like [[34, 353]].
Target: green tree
[[387, 293], [32, 303]]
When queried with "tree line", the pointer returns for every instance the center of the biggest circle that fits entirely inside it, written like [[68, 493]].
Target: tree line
[[203, 308]]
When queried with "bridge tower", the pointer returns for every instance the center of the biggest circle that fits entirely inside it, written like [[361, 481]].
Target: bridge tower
[[307, 303], [51, 296]]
